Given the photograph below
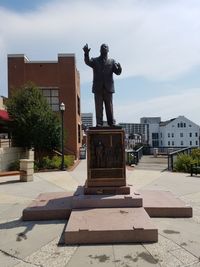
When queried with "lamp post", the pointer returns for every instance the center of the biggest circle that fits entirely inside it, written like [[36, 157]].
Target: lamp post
[[62, 109]]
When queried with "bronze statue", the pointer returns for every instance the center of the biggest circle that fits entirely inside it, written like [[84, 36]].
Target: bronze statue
[[103, 83]]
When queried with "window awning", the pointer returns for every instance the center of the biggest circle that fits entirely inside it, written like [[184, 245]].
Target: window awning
[[4, 115]]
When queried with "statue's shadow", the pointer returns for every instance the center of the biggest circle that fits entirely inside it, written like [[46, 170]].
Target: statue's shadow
[[28, 227]]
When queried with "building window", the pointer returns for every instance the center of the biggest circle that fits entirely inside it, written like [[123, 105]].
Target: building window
[[160, 135], [196, 143], [184, 124], [78, 105], [154, 135], [190, 134], [168, 143], [181, 125], [172, 135], [79, 133], [178, 125], [181, 134], [196, 134], [161, 143], [168, 134], [172, 143], [52, 97], [181, 143], [190, 143], [155, 143]]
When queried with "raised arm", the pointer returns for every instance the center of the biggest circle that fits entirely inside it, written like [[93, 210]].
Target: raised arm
[[117, 69], [87, 59]]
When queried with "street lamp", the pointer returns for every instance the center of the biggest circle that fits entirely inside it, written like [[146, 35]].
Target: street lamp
[[62, 109]]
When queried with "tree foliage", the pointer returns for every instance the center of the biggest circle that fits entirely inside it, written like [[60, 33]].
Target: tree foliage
[[34, 124]]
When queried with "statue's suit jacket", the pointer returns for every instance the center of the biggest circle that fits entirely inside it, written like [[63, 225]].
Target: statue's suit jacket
[[103, 73]]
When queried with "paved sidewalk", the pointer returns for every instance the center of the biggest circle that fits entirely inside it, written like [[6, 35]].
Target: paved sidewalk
[[39, 243]]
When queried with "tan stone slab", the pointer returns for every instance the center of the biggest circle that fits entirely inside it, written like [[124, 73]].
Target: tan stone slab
[[111, 225], [81, 201], [49, 206], [164, 204]]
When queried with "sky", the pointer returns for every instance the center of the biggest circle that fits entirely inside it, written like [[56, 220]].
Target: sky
[[156, 42]]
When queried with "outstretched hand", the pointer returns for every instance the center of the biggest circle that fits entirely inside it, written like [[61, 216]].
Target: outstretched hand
[[118, 66], [86, 49]]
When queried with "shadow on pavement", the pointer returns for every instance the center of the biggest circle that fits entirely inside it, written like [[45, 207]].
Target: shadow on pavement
[[28, 225]]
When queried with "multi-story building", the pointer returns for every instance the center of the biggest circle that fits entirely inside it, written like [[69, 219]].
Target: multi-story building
[[135, 129], [179, 132], [153, 129], [87, 120], [60, 82], [176, 132]]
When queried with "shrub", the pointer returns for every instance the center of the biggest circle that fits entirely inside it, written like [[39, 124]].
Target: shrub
[[54, 162], [183, 163], [69, 160], [195, 154], [14, 166]]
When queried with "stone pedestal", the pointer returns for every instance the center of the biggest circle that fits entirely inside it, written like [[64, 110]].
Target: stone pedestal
[[26, 170], [106, 173]]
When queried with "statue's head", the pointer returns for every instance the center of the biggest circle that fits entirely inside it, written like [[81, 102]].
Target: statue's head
[[104, 49]]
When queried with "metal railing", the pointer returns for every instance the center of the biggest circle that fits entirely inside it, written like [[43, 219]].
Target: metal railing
[[164, 150], [173, 156], [134, 156]]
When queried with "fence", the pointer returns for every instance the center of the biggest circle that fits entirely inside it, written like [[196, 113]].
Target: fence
[[173, 156], [134, 156]]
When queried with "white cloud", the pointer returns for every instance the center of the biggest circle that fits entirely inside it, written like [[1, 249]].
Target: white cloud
[[156, 39], [167, 107]]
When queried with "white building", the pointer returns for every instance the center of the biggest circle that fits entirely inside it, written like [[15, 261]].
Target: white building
[[178, 132]]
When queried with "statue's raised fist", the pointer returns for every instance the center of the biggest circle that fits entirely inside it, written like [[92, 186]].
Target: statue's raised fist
[[86, 49]]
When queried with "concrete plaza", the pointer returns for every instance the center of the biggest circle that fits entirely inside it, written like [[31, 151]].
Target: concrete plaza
[[40, 243]]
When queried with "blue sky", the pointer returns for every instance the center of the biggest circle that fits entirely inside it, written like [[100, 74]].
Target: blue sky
[[156, 42]]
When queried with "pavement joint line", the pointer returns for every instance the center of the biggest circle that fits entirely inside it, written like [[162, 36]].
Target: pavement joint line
[[17, 258], [156, 261], [72, 256], [192, 263], [113, 251], [180, 247]]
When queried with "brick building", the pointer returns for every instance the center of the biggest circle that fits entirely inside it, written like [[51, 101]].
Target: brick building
[[60, 82]]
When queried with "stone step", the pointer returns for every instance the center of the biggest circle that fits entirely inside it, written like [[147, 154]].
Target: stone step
[[49, 206], [81, 201], [111, 225], [58, 205], [159, 203]]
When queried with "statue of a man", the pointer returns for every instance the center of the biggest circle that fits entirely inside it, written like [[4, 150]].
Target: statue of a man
[[103, 83]]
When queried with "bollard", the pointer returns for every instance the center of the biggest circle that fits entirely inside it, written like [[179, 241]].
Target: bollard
[[26, 170], [155, 152]]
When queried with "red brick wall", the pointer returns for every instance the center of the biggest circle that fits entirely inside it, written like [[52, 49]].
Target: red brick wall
[[61, 74]]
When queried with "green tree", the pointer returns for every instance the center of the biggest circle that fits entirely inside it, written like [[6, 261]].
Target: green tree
[[34, 124]]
